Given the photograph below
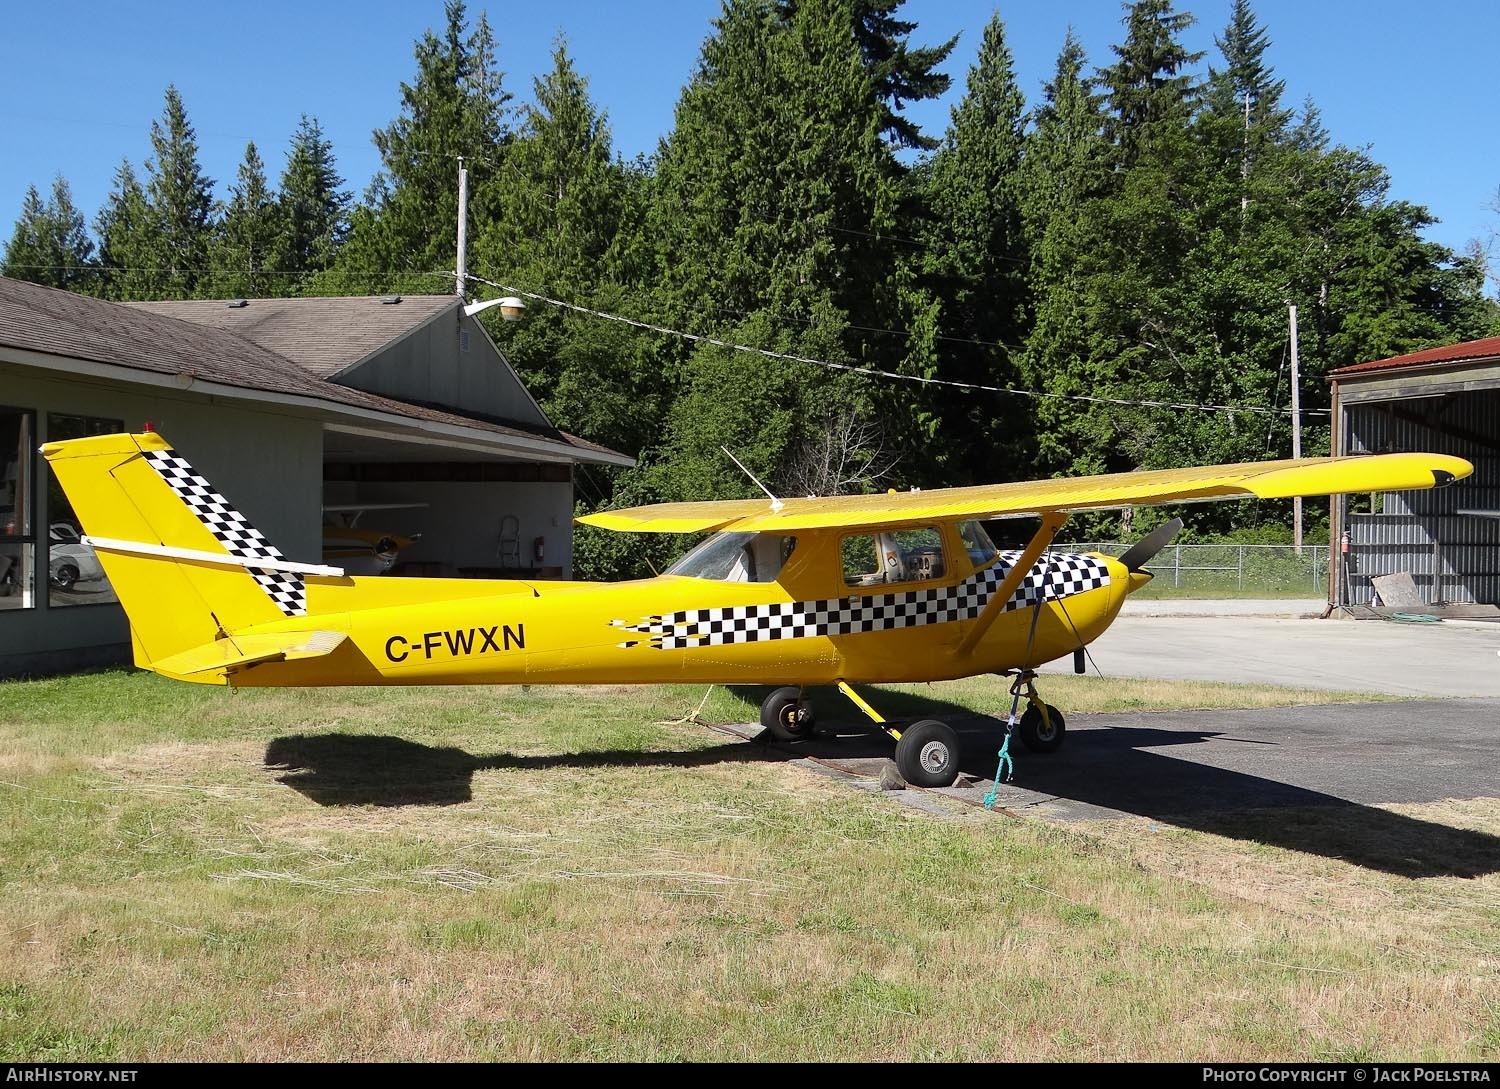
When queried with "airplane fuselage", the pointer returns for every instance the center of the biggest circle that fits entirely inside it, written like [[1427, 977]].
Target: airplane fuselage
[[806, 628]]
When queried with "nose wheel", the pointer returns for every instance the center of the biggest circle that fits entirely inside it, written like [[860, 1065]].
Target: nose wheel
[[1042, 726]]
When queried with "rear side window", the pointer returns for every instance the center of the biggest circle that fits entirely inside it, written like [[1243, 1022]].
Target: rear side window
[[899, 555], [977, 543]]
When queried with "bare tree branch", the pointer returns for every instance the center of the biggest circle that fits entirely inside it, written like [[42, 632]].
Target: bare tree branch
[[846, 454]]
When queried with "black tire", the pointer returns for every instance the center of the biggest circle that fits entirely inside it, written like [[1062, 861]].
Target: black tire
[[65, 576], [927, 754], [787, 715], [1039, 736]]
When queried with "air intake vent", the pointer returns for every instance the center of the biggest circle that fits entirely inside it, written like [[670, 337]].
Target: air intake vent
[[237, 304], [390, 300]]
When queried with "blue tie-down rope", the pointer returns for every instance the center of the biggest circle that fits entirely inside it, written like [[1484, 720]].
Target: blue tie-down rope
[[1003, 774]]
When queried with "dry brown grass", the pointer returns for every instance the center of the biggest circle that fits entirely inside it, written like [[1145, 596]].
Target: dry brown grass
[[569, 879]]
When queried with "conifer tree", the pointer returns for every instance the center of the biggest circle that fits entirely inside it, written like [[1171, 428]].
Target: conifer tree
[[1066, 171], [180, 199], [1151, 92], [900, 72], [249, 238], [775, 199], [313, 203], [977, 260], [127, 243], [563, 226], [50, 244], [403, 235]]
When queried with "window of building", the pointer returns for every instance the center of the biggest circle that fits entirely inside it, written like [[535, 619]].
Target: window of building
[[74, 574], [17, 538], [900, 555]]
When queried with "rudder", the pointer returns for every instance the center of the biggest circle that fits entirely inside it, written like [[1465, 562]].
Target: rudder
[[134, 490]]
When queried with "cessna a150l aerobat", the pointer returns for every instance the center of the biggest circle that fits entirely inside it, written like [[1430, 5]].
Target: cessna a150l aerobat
[[870, 588]]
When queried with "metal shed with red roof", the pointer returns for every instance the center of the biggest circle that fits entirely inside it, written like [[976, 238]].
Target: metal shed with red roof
[[1445, 400]]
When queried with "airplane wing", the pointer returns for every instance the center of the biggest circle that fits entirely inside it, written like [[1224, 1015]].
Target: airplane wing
[[1256, 479]]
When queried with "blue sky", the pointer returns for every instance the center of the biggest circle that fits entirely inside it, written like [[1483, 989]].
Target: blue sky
[[81, 82]]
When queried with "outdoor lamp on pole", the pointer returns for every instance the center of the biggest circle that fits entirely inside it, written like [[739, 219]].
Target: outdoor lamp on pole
[[511, 308]]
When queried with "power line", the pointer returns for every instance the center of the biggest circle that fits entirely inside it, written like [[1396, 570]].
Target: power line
[[872, 372], [1008, 349], [875, 372]]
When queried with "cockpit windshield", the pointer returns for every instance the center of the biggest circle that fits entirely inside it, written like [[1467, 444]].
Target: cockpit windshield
[[737, 557]]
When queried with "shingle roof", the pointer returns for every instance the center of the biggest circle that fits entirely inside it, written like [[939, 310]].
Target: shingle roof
[[324, 336], [44, 319], [53, 322], [1467, 352]]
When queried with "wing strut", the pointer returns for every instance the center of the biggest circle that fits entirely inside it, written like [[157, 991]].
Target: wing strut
[[1052, 521]]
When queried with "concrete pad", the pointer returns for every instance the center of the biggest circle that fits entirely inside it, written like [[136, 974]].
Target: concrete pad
[[1174, 763], [1173, 606], [1392, 658], [1308, 779]]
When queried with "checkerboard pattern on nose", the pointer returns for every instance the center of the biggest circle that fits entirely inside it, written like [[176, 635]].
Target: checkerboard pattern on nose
[[1059, 575], [1055, 576], [231, 529]]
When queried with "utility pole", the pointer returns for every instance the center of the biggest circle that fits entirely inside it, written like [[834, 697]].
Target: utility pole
[[1296, 431], [463, 230]]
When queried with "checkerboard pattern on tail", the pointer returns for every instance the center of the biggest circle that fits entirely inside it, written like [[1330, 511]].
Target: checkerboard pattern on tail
[[1055, 576], [231, 529]]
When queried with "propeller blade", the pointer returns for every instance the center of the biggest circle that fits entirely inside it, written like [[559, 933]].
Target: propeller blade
[[1144, 551]]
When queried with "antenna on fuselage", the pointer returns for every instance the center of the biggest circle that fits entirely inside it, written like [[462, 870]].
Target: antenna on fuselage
[[776, 504]]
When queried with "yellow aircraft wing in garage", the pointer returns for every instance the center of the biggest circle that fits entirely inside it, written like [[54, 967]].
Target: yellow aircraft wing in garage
[[1248, 480]]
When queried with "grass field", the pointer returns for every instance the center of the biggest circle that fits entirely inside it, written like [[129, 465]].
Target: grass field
[[189, 873]]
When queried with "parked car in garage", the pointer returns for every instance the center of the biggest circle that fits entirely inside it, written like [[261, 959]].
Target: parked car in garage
[[69, 560]]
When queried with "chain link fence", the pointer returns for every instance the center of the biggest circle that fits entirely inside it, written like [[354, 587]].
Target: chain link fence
[[1227, 570]]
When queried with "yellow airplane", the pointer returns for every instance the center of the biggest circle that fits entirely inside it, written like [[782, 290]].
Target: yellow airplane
[[359, 550], [794, 593]]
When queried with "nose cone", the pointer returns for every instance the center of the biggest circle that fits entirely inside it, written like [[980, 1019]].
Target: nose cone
[[1137, 579]]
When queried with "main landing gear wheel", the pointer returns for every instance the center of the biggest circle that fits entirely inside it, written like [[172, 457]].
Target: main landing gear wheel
[[787, 715], [927, 754], [1041, 735]]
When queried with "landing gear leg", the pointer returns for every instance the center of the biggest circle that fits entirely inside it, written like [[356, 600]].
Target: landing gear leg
[[1042, 727], [927, 752]]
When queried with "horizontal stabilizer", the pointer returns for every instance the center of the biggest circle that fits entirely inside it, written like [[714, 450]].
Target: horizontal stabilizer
[[242, 650], [167, 552]]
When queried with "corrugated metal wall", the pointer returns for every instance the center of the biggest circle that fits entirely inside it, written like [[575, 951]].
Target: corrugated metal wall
[[1451, 557]]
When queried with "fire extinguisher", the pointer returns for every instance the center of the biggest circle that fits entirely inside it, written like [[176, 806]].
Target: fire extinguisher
[[539, 549]]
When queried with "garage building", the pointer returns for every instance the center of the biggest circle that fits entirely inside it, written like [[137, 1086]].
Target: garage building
[[1443, 400], [401, 407]]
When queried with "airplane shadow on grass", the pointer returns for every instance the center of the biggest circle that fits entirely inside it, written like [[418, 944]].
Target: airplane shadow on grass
[[1108, 768]]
